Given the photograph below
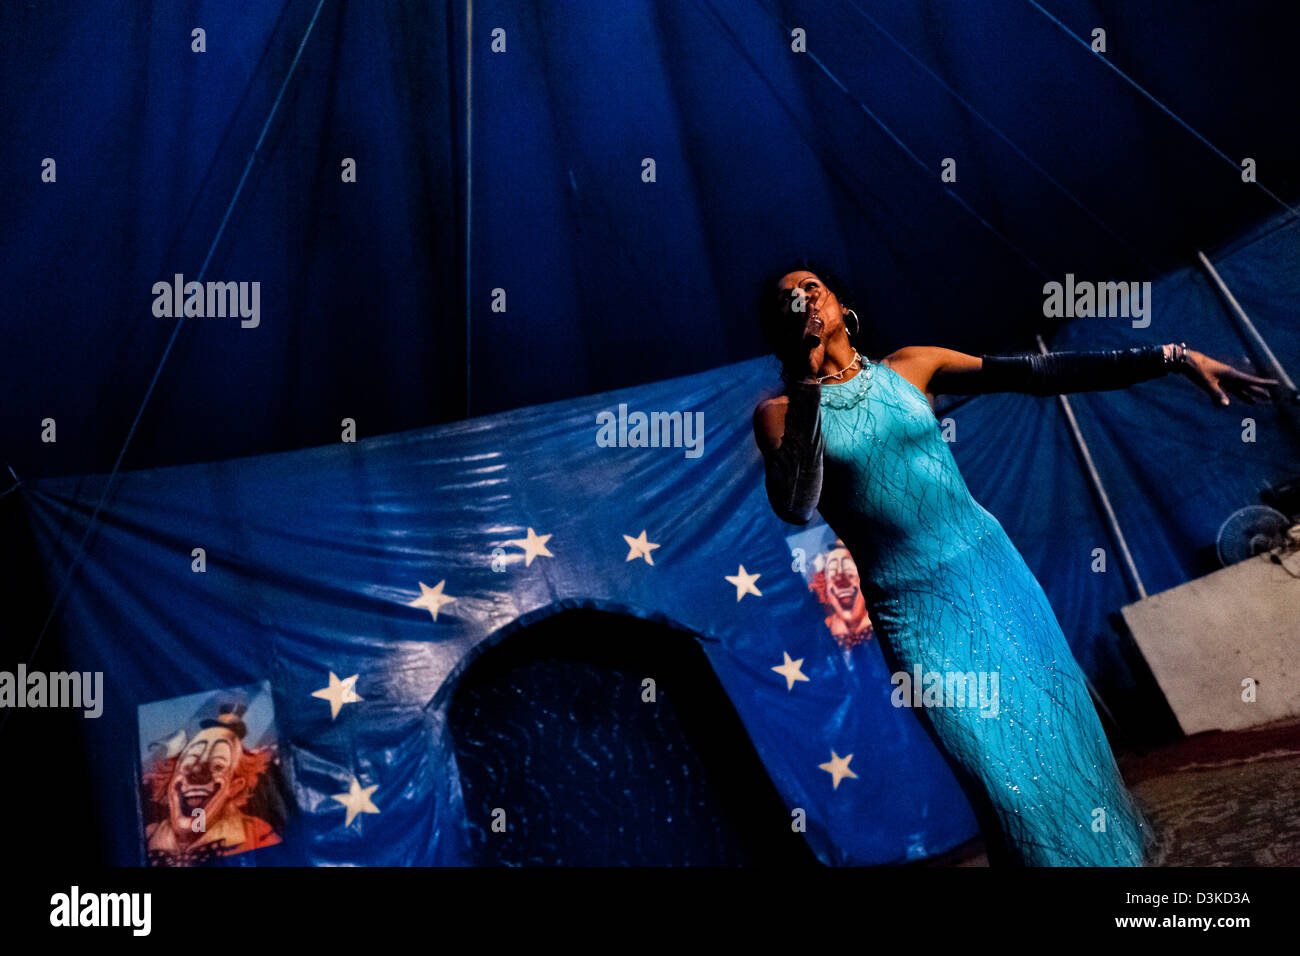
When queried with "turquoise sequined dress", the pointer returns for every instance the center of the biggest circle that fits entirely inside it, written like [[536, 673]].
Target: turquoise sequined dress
[[949, 594]]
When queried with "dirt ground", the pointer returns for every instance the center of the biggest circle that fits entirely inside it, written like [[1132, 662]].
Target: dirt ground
[[1223, 798]]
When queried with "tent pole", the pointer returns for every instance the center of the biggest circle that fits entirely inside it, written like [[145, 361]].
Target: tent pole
[[469, 180], [1275, 368], [1098, 487]]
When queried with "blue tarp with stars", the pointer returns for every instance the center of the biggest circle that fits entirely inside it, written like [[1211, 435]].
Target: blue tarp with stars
[[398, 559]]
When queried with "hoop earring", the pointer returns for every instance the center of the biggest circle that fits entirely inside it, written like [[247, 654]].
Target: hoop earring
[[857, 324]]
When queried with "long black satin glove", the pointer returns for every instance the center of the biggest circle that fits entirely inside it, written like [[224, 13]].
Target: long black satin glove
[[794, 471], [1059, 372]]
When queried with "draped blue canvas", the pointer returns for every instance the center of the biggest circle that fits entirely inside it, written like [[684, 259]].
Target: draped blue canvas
[[313, 557]]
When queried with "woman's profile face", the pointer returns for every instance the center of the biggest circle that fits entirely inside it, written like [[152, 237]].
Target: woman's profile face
[[802, 293]]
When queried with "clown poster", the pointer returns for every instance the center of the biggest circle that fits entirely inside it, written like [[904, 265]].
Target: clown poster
[[832, 575], [210, 776]]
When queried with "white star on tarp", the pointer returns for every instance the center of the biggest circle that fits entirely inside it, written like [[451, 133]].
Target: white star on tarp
[[357, 800], [641, 548], [744, 582], [838, 768], [431, 598], [533, 546], [338, 693], [790, 671]]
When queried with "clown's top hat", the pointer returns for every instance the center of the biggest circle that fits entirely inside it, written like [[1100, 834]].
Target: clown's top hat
[[229, 715]]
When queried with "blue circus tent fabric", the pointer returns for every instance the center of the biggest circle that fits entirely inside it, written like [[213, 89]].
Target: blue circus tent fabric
[[762, 155]]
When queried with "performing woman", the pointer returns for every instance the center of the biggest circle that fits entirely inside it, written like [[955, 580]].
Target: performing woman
[[947, 591]]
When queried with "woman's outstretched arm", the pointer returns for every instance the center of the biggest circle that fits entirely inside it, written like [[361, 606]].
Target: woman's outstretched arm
[[1056, 373], [789, 434]]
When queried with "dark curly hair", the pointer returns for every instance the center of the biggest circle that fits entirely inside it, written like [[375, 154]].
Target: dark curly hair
[[775, 324]]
